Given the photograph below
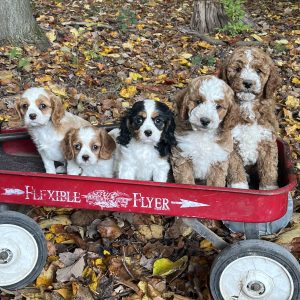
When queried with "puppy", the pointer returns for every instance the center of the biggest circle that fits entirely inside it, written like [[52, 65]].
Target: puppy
[[91, 149], [253, 77], [47, 122], [205, 115], [145, 140]]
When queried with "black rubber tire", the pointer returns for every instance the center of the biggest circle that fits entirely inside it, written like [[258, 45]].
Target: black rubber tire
[[254, 248], [23, 221]]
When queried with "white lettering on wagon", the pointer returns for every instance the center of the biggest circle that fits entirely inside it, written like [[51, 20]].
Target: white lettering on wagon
[[11, 191], [188, 203], [150, 202], [51, 195], [106, 199]]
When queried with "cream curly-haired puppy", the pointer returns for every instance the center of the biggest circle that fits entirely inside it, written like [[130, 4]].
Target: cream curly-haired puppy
[[254, 78], [205, 115]]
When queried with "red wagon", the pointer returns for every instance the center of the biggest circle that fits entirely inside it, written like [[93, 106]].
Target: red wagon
[[250, 269]]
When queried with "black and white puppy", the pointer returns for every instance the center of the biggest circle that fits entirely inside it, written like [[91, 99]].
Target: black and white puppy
[[145, 140]]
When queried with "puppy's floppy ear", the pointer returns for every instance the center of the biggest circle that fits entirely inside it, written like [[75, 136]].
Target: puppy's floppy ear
[[18, 108], [108, 145], [67, 144], [125, 132], [181, 104], [231, 118], [167, 139], [58, 109], [273, 82]]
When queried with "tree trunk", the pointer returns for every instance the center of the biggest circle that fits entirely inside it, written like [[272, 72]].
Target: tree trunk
[[208, 15], [18, 24]]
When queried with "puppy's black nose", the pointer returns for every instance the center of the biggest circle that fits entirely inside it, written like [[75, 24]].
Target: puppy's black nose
[[148, 132], [32, 116], [247, 84], [204, 121], [85, 157]]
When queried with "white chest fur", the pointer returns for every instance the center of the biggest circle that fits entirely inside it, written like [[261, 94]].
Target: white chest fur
[[142, 162], [247, 137], [47, 140], [203, 149]]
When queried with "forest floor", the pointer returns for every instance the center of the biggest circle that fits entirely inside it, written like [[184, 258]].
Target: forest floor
[[104, 56]]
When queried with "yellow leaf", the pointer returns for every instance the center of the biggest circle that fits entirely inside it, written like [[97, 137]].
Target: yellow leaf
[[204, 45], [186, 55], [203, 70], [114, 34], [63, 239], [297, 41], [61, 91], [125, 104], [65, 293], [61, 219], [292, 102], [75, 32], [164, 266], [257, 37], [91, 277], [140, 26], [297, 31], [128, 45], [49, 236], [128, 92], [184, 62], [44, 78], [282, 42], [295, 80], [46, 277], [114, 55], [51, 35], [206, 245], [134, 76]]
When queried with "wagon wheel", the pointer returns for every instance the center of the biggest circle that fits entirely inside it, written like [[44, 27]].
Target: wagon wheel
[[23, 250], [255, 269]]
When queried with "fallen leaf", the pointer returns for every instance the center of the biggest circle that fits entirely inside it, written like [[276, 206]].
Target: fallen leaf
[[75, 270], [61, 219], [164, 266], [128, 92]]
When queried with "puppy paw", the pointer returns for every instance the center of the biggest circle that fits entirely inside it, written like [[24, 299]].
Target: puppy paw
[[269, 187], [61, 170], [239, 185]]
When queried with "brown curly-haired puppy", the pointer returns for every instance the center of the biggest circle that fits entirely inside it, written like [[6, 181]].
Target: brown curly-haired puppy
[[205, 114], [253, 77]]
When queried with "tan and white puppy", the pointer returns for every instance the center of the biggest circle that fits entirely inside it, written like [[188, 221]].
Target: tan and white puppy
[[89, 149], [47, 122], [253, 77], [205, 111]]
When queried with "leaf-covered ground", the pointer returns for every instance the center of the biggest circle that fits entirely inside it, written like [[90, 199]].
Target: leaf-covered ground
[[105, 55]]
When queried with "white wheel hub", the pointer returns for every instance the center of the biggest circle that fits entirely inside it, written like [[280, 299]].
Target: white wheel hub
[[256, 277], [18, 254]]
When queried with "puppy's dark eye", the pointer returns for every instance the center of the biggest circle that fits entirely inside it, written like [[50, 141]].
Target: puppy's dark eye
[[198, 102], [24, 106], [138, 120], [77, 146], [258, 71], [218, 107], [95, 147], [42, 106], [238, 69], [158, 121]]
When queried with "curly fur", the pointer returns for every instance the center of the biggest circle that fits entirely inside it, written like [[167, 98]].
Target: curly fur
[[254, 78]]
